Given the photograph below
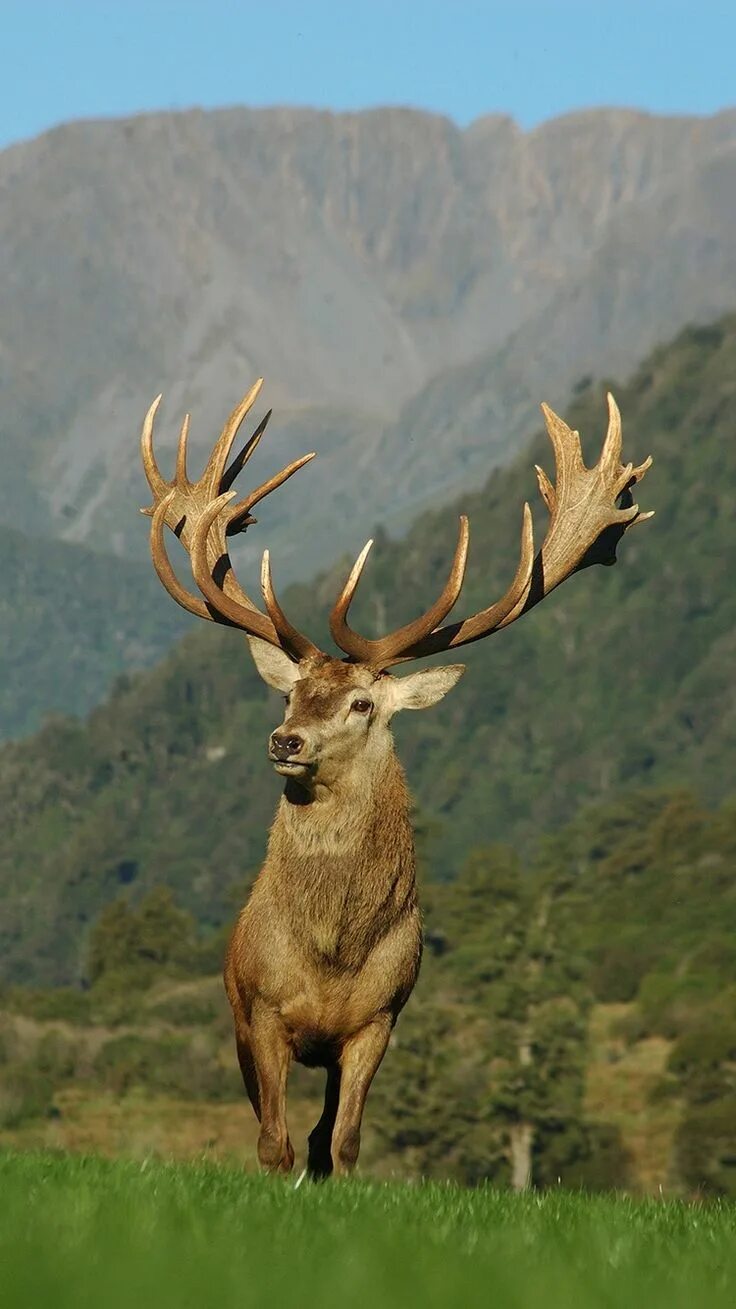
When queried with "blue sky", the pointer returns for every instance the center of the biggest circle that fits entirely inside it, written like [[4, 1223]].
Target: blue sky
[[86, 58]]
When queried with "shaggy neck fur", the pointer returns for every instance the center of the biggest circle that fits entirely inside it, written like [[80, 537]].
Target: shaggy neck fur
[[341, 861]]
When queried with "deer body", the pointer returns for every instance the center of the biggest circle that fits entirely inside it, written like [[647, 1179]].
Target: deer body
[[327, 950]]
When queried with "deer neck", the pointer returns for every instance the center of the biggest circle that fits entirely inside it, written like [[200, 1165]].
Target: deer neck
[[341, 861], [353, 812]]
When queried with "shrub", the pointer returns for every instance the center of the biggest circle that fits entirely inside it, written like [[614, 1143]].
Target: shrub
[[172, 1065], [25, 1092], [705, 1148], [136, 944]]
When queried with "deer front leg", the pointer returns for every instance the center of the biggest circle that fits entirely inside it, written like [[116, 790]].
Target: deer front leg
[[271, 1055], [319, 1162], [247, 1066], [361, 1057]]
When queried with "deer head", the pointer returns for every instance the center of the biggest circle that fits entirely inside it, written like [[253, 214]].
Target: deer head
[[338, 710], [338, 714]]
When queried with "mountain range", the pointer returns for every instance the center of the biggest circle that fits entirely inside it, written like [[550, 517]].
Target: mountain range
[[411, 291]]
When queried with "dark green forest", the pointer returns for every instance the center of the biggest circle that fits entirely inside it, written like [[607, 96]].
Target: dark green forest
[[72, 621], [633, 903]]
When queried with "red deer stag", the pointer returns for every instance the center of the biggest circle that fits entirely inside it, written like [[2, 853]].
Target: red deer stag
[[326, 951]]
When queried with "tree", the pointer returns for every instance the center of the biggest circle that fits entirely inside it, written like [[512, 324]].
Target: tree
[[134, 946]]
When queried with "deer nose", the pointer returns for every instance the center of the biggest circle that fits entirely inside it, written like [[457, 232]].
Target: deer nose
[[286, 745]]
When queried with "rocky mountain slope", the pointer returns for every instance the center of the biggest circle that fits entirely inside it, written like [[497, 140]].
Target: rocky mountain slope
[[410, 291]]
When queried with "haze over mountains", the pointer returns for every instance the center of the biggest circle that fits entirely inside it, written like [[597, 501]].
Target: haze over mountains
[[410, 290]]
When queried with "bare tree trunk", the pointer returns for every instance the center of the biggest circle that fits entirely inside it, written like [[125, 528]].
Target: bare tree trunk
[[521, 1136]]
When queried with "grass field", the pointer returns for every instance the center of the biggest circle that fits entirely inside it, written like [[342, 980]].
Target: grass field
[[81, 1232]]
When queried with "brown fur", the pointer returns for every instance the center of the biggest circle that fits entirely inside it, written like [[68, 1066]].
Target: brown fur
[[326, 952]]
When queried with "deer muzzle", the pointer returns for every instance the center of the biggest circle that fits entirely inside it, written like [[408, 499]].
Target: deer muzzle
[[284, 751]]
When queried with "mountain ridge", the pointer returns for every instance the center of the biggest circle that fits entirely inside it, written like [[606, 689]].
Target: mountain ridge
[[357, 260]]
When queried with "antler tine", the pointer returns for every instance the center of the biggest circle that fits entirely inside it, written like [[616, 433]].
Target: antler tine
[[565, 443], [181, 454], [611, 452], [241, 511], [487, 620], [636, 476], [223, 445], [338, 626], [291, 638], [158, 484], [392, 648], [546, 489], [240, 460]]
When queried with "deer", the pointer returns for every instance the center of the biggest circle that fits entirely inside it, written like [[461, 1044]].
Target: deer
[[326, 951]]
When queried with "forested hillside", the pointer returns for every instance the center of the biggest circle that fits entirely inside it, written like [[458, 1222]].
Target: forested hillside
[[71, 621], [580, 1005], [623, 677]]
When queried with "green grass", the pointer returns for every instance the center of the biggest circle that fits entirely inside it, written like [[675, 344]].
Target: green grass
[[89, 1232]]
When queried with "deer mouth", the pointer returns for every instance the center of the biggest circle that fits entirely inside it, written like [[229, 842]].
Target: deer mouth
[[291, 767]]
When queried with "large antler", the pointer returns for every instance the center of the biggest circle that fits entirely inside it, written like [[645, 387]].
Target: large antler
[[588, 517], [183, 505]]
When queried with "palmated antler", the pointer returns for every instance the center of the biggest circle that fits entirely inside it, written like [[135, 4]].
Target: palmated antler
[[586, 524], [183, 505]]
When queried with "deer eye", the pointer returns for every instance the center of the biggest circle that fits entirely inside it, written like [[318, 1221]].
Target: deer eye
[[361, 706]]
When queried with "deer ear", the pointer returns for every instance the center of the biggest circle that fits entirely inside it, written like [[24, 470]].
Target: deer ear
[[274, 665], [421, 690]]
